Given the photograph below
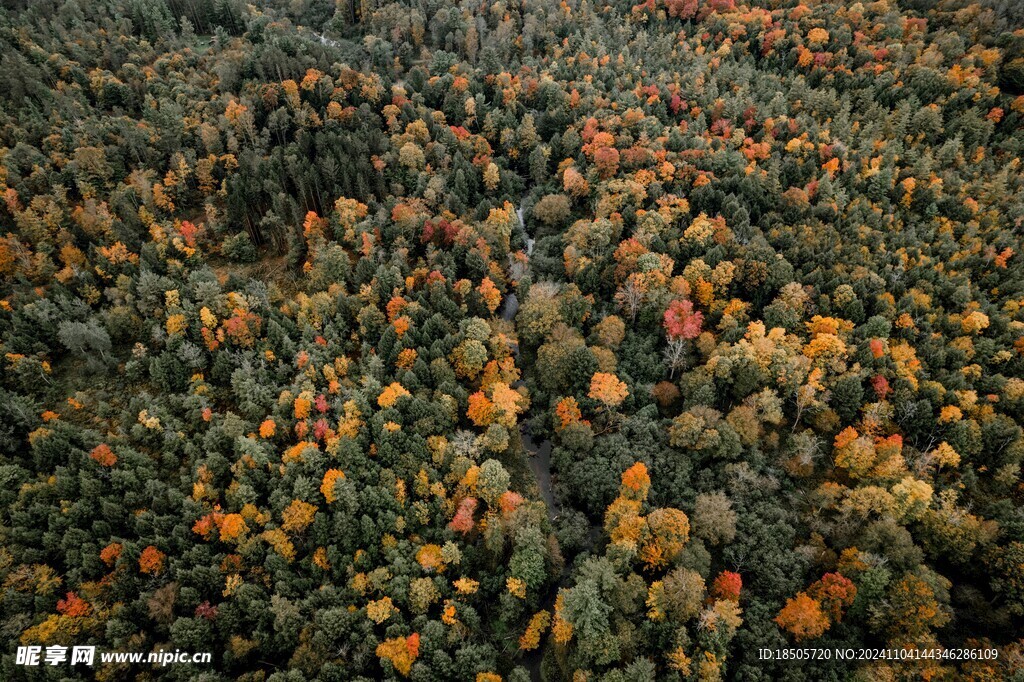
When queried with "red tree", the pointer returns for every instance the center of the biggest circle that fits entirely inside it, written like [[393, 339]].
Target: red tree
[[681, 321]]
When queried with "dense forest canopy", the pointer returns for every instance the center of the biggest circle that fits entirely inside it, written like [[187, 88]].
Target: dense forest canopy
[[514, 340]]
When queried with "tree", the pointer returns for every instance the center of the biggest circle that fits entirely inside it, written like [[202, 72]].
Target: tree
[[574, 183], [329, 485], [391, 393], [490, 294], [233, 527], [539, 622], [835, 593], [103, 455], [915, 605], [675, 356], [681, 321], [803, 617], [714, 519], [636, 482], [493, 481], [463, 522], [684, 592], [151, 560], [491, 176], [630, 297], [727, 586], [608, 389], [400, 652], [552, 209], [297, 515], [1008, 575], [668, 532], [87, 340]]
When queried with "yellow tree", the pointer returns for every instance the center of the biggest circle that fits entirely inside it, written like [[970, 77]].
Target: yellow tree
[[608, 389]]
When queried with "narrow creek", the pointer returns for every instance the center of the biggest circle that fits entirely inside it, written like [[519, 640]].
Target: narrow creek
[[538, 457], [511, 305], [539, 460], [324, 40]]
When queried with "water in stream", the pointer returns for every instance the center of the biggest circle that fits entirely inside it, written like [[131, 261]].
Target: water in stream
[[539, 460], [522, 226], [510, 307], [324, 40]]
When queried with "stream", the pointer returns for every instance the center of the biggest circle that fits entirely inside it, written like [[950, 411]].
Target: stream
[[511, 305], [324, 40], [522, 226], [539, 460], [538, 457]]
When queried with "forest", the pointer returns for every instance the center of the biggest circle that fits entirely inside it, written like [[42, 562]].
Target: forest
[[512, 341]]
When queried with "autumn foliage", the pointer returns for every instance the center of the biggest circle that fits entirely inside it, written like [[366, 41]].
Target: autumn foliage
[[803, 617], [619, 340], [401, 652], [103, 455], [151, 560], [608, 389], [682, 321]]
